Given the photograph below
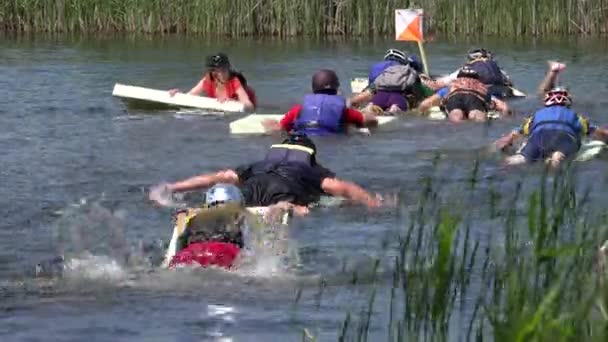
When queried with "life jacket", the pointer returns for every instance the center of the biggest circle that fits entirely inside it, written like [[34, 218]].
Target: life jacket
[[231, 87], [488, 70], [557, 118], [321, 115], [209, 236], [207, 253], [397, 78], [470, 86], [286, 153], [378, 68]]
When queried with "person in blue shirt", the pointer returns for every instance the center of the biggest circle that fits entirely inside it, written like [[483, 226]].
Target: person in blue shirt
[[554, 132]]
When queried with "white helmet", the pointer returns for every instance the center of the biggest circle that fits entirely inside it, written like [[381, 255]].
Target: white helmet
[[395, 55], [224, 193]]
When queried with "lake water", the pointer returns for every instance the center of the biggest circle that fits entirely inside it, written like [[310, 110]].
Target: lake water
[[64, 138]]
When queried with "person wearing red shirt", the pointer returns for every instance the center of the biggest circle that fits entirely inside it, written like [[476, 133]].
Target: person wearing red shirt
[[323, 112], [223, 83]]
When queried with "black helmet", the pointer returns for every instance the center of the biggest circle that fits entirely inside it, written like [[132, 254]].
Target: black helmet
[[468, 72], [302, 140], [325, 79], [476, 53], [219, 60]]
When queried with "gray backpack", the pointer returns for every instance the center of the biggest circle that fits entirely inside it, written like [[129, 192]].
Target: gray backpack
[[397, 78]]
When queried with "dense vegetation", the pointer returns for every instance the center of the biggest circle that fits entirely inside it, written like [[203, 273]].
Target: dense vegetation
[[306, 17], [524, 265]]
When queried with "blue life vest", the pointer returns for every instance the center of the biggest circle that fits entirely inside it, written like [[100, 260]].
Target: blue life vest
[[321, 114], [378, 68], [556, 118], [286, 153], [488, 70]]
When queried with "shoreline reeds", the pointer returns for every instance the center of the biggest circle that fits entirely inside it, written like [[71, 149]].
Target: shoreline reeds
[[537, 275], [315, 18]]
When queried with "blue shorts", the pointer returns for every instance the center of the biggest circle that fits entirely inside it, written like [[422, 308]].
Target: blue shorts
[[542, 144]]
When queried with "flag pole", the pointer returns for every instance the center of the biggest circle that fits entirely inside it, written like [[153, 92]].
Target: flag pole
[[423, 56]]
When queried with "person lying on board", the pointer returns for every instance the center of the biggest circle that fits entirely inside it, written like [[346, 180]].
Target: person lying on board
[[214, 234], [394, 85], [323, 112], [554, 132], [466, 98], [289, 173], [490, 73], [223, 83]]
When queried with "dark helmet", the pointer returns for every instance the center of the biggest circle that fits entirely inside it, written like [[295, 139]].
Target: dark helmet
[[301, 139], [476, 53], [325, 79], [219, 60], [415, 63], [468, 72]]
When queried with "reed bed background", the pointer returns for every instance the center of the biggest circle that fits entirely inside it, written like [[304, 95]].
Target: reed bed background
[[535, 275], [302, 17]]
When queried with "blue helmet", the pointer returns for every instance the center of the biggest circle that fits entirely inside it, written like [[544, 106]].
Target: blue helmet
[[224, 193]]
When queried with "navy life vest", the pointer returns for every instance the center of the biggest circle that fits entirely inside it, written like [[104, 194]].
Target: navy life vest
[[488, 70], [321, 115], [286, 153], [378, 69], [557, 118]]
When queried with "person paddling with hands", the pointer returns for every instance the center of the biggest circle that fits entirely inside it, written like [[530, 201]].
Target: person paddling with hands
[[323, 112], [289, 173], [223, 83], [554, 132], [465, 98]]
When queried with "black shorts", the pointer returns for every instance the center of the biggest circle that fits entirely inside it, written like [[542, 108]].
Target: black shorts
[[465, 102], [542, 144]]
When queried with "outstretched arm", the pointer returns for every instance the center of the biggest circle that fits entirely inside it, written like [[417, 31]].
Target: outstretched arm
[[550, 79], [351, 191], [600, 133], [506, 140], [426, 104], [206, 180], [363, 97]]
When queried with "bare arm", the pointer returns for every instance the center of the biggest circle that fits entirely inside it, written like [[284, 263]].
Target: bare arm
[[351, 191], [369, 119], [501, 106], [206, 180], [197, 89], [601, 133], [431, 101], [244, 99], [550, 79], [363, 97], [506, 140]]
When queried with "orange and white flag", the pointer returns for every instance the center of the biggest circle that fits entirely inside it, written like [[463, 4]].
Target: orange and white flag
[[408, 24]]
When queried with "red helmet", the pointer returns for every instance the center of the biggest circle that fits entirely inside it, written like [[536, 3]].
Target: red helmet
[[558, 96]]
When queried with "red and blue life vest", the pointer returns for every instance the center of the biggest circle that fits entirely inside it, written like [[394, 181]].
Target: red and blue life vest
[[321, 115]]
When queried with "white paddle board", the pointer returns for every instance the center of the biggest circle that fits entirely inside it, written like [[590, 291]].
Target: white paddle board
[[179, 99], [252, 124]]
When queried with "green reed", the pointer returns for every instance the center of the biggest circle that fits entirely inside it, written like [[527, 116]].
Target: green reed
[[534, 276], [302, 17]]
